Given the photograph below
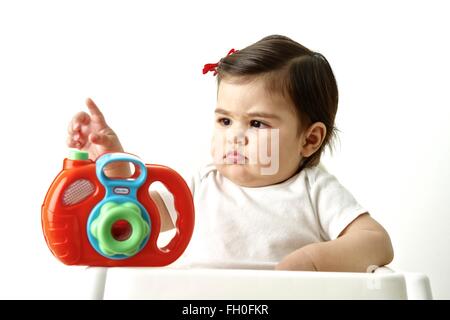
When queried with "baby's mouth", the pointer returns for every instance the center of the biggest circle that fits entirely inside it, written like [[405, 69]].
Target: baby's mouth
[[234, 157]]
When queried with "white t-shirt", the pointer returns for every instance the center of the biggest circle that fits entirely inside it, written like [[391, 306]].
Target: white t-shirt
[[235, 224]]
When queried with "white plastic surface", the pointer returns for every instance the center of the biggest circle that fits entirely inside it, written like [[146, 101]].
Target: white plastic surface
[[418, 285], [252, 282]]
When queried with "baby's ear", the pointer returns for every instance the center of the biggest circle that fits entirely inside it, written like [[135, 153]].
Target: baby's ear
[[313, 138]]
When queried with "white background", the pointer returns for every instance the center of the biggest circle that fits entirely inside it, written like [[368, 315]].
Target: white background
[[141, 61]]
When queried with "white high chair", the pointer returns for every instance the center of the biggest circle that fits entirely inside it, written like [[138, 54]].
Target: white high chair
[[255, 282]]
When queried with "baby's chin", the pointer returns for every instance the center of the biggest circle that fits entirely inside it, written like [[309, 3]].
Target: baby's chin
[[245, 175]]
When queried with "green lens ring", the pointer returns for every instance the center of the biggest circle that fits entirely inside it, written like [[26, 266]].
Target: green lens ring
[[109, 214]]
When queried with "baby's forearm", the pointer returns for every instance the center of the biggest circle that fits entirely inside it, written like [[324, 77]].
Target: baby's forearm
[[352, 252]]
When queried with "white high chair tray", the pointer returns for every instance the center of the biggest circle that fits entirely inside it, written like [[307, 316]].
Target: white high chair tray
[[246, 281]]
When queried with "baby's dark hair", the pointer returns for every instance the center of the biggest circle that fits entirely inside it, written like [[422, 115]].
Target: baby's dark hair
[[302, 76]]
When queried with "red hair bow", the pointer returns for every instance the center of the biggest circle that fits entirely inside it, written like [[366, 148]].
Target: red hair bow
[[213, 66]]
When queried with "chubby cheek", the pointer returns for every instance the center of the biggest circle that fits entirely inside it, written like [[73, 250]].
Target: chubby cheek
[[264, 147], [289, 152], [218, 146]]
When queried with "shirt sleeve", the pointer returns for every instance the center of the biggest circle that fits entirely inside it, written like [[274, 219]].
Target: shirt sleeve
[[334, 205]]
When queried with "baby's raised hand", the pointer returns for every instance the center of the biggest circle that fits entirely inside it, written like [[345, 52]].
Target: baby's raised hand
[[90, 132]]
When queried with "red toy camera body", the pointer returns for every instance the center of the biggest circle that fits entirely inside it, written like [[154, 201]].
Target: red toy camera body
[[90, 219]]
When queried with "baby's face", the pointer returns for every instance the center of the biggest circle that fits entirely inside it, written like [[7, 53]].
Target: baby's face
[[255, 141]]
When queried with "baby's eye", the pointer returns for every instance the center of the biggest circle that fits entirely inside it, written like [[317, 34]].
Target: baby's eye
[[258, 124], [224, 121]]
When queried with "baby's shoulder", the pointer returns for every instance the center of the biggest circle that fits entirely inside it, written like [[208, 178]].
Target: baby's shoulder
[[205, 170], [317, 175], [198, 174]]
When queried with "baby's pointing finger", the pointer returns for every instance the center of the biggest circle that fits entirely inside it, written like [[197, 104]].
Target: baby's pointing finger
[[95, 111]]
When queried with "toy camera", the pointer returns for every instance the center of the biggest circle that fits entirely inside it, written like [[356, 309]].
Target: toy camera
[[91, 219]]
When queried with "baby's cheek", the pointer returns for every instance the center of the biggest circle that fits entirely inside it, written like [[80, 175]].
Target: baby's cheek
[[217, 147], [261, 146]]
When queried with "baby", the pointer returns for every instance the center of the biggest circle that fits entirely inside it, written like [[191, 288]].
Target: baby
[[265, 198]]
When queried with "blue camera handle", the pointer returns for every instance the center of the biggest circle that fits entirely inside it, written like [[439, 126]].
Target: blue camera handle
[[110, 184], [120, 203]]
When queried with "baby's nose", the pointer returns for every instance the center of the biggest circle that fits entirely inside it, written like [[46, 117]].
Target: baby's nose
[[239, 138]]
